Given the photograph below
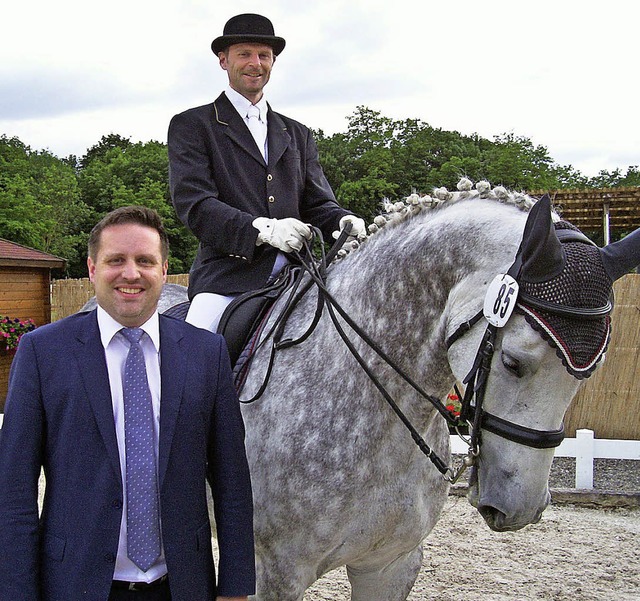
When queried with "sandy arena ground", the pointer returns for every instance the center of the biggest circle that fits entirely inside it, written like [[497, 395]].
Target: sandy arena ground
[[572, 554]]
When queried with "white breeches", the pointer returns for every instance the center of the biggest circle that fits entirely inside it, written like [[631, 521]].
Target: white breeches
[[207, 308]]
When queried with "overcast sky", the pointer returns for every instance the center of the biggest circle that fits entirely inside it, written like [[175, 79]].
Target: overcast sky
[[563, 73]]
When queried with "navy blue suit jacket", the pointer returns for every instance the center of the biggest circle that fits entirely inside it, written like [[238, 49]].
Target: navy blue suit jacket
[[220, 183], [59, 415]]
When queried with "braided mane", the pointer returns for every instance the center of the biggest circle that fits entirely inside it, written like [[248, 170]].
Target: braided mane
[[399, 212]]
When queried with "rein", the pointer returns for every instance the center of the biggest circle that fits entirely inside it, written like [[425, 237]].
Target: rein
[[307, 262], [317, 270], [472, 412]]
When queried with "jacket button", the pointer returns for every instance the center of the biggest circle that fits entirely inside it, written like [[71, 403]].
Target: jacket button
[[116, 503], [109, 557], [271, 199], [269, 177]]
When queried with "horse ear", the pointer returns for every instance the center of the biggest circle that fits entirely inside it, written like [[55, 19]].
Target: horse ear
[[622, 256], [541, 251]]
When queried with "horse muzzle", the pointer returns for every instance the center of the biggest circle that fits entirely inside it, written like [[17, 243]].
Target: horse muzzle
[[504, 512]]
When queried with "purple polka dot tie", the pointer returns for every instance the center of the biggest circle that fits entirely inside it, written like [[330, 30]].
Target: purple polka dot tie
[[143, 516]]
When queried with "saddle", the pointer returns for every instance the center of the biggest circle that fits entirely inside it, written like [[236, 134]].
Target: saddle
[[244, 317]]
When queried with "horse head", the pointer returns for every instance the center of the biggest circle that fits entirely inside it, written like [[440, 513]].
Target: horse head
[[560, 292]]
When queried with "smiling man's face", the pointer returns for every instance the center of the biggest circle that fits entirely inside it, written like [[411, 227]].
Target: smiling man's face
[[248, 67], [128, 272]]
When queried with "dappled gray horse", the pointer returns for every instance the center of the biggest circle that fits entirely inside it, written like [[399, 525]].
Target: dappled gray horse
[[337, 477]]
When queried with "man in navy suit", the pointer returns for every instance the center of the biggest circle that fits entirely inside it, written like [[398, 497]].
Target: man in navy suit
[[65, 412], [245, 179]]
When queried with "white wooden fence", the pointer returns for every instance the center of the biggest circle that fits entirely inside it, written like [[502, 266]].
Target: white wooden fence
[[584, 447]]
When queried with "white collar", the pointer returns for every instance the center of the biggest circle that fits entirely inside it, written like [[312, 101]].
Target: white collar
[[109, 327], [242, 104]]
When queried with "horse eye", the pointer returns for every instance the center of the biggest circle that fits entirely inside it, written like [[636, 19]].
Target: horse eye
[[511, 364]]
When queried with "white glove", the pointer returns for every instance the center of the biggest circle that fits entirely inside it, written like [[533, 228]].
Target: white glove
[[358, 228], [284, 234]]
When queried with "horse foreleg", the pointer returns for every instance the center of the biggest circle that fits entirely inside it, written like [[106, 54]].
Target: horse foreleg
[[282, 578], [391, 583]]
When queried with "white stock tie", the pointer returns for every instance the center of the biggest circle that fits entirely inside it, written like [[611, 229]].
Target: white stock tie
[[258, 128]]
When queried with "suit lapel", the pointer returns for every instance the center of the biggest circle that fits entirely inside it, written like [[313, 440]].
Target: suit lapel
[[235, 128], [89, 354], [173, 365], [278, 139]]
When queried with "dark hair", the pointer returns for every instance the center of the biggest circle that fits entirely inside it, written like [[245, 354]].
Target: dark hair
[[131, 214]]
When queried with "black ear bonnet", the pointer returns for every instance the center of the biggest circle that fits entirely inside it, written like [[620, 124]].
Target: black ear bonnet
[[565, 290]]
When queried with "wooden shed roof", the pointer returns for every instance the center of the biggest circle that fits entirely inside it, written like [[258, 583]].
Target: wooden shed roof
[[617, 209], [16, 255]]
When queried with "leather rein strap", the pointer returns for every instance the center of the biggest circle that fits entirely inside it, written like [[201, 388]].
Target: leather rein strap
[[475, 381], [317, 271], [276, 332]]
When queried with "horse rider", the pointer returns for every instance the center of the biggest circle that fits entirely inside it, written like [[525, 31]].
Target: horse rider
[[245, 179]]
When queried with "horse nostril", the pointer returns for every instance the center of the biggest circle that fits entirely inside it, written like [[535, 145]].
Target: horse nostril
[[494, 518]]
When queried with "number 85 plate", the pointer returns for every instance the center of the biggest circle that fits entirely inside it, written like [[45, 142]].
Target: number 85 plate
[[500, 300]]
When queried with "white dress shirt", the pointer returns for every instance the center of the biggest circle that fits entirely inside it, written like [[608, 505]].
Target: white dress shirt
[[116, 349], [242, 105]]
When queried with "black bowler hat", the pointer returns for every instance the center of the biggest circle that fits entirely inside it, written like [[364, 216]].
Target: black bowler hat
[[248, 28]]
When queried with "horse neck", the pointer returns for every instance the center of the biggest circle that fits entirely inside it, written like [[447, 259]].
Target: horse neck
[[405, 285]]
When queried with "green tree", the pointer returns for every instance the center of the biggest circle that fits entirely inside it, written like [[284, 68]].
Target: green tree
[[51, 204], [40, 204], [513, 161], [615, 178], [18, 203], [116, 172], [432, 157], [359, 163], [378, 157], [99, 150]]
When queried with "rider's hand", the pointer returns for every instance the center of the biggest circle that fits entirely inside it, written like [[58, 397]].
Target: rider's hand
[[284, 234], [358, 228]]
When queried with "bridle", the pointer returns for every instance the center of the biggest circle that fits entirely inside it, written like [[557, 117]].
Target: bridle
[[472, 411]]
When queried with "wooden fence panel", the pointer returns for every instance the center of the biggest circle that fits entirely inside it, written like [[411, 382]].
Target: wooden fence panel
[[69, 296], [182, 279]]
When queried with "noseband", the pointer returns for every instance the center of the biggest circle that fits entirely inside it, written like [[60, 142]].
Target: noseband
[[472, 405]]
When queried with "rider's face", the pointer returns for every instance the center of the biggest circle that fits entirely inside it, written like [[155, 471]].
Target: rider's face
[[248, 67]]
